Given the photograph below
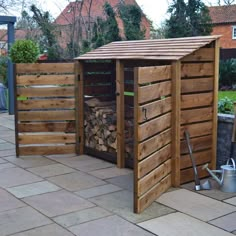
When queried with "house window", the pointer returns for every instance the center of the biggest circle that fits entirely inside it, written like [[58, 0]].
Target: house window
[[234, 32]]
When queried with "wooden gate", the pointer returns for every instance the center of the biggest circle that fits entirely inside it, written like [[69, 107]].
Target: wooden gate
[[45, 108], [152, 161]]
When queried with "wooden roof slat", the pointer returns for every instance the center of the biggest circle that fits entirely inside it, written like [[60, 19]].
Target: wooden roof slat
[[161, 49]]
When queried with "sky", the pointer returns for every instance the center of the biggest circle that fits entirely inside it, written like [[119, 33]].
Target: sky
[[154, 9]]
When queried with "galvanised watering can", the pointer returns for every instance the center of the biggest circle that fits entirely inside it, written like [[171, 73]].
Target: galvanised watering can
[[227, 181]]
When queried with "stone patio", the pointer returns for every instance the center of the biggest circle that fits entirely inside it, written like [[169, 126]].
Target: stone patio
[[64, 195]]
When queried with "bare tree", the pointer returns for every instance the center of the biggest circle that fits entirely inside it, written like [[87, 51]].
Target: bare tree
[[229, 2], [7, 5]]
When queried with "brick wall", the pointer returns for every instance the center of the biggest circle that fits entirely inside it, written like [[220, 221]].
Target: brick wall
[[226, 40]]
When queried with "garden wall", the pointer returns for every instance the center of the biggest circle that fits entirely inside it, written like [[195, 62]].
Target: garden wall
[[225, 129]]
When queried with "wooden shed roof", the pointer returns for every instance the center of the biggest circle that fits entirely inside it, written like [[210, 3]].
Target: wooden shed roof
[[157, 49]]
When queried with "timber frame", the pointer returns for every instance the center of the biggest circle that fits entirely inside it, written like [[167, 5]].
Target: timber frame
[[174, 83]]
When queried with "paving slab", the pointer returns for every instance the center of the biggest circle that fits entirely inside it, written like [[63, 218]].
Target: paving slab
[[48, 230], [80, 217], [181, 224], [196, 205], [124, 181], [57, 203], [99, 190], [215, 192], [227, 222], [51, 170], [110, 172], [16, 176], [60, 156], [76, 181], [74, 161], [33, 189], [2, 161], [5, 153], [87, 166], [231, 201], [121, 203], [2, 141], [6, 146], [10, 139], [21, 219], [111, 225], [6, 165], [8, 202], [29, 161]]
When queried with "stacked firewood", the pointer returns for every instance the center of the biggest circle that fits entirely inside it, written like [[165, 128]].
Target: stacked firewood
[[100, 127]]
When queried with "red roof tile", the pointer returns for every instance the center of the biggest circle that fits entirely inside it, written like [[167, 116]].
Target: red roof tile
[[223, 14]]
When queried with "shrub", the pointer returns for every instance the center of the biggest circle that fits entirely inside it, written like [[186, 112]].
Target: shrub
[[24, 51], [228, 73], [3, 70], [226, 106]]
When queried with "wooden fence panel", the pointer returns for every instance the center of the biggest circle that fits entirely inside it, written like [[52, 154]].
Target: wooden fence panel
[[45, 108], [197, 99], [152, 107]]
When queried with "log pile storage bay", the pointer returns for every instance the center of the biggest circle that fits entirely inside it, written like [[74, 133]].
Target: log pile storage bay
[[100, 127]]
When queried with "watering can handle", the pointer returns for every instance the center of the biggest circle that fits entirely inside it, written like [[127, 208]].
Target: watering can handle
[[233, 162]]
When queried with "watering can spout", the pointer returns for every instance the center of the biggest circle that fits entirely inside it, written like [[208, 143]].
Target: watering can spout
[[212, 174]]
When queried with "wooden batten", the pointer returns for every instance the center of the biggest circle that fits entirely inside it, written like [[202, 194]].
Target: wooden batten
[[120, 111], [215, 103], [80, 111], [176, 106], [136, 143], [16, 112]]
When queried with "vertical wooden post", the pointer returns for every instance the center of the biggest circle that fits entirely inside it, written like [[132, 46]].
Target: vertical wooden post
[[176, 111], [136, 207], [233, 140], [120, 111], [215, 104], [79, 106], [16, 111]]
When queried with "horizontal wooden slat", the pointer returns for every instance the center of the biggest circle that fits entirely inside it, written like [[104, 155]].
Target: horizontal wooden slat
[[151, 162], [154, 91], [151, 110], [47, 127], [46, 104], [46, 92], [196, 100], [198, 129], [44, 79], [46, 138], [154, 144], [45, 68], [187, 175], [154, 177], [153, 74], [196, 115], [201, 157], [148, 198], [46, 116], [203, 54], [197, 69], [154, 126], [197, 144], [47, 150], [196, 85]]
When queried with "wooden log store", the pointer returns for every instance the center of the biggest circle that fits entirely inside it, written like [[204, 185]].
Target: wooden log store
[[127, 102], [149, 92]]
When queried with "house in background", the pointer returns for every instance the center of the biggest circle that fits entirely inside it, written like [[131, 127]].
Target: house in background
[[76, 10], [224, 23]]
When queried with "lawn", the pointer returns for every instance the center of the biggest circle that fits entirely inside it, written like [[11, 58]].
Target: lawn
[[228, 94]]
